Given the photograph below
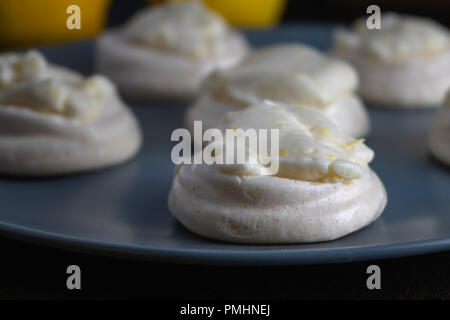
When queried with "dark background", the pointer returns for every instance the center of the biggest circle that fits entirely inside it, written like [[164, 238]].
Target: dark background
[[33, 272], [319, 10]]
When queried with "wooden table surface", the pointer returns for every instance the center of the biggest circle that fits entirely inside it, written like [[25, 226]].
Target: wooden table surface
[[30, 271]]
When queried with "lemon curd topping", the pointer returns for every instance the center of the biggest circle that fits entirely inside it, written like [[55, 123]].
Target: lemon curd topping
[[28, 80], [311, 147], [400, 36], [187, 28]]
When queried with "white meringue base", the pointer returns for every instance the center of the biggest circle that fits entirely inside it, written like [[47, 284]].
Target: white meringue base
[[414, 83], [144, 73], [38, 144], [271, 210], [439, 136], [348, 113]]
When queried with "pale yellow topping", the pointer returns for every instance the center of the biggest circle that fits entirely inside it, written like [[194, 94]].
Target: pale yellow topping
[[187, 28], [325, 132], [350, 144], [291, 74], [400, 36], [16, 69], [306, 153]]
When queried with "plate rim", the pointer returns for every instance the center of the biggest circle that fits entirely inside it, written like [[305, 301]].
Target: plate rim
[[227, 257]]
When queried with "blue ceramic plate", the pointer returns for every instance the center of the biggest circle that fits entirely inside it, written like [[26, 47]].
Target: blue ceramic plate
[[123, 210]]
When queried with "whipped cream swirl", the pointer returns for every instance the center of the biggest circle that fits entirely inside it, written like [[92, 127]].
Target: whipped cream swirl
[[187, 28], [292, 74], [311, 147], [27, 80], [400, 37]]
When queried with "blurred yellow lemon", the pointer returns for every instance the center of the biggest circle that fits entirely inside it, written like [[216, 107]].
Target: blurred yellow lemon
[[32, 22], [246, 13]]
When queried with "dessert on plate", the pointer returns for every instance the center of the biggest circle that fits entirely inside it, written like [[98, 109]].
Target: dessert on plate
[[439, 136], [323, 189], [405, 64], [293, 74], [166, 51], [54, 121]]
